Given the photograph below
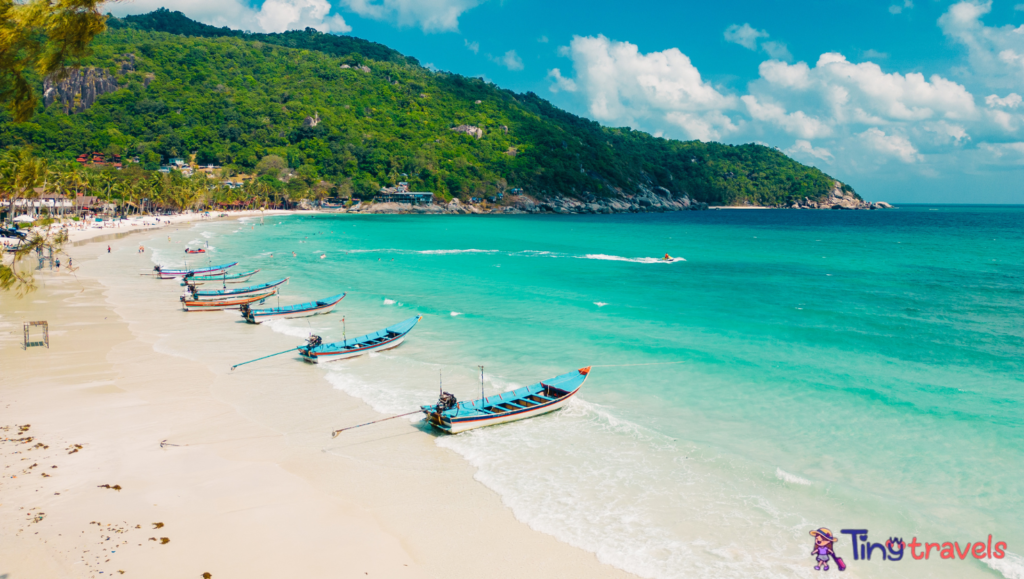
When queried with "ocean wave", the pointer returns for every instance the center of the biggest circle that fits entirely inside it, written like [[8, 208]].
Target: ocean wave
[[600, 304], [790, 478], [388, 302], [286, 328], [452, 251], [456, 314], [604, 257], [1011, 566]]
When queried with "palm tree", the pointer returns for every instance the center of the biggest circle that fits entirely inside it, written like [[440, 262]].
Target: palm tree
[[20, 173]]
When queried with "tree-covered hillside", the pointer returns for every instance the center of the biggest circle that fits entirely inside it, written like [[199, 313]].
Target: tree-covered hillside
[[360, 116]]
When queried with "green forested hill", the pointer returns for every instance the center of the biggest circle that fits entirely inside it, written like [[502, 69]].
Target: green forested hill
[[233, 98]]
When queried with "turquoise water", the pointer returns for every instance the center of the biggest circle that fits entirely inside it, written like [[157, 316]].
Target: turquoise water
[[797, 370]]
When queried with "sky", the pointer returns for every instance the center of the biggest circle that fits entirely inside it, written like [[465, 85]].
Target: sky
[[905, 100]]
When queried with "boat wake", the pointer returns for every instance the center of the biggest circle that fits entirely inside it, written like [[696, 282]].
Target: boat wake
[[604, 257]]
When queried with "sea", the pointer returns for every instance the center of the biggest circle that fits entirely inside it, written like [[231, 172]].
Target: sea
[[784, 371]]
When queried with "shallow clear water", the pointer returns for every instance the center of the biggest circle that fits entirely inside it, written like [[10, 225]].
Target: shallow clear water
[[799, 369]]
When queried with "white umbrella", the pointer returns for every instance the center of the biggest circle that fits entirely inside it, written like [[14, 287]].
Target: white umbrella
[[23, 218]]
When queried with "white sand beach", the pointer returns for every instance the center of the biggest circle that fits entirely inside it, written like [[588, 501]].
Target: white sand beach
[[248, 482]]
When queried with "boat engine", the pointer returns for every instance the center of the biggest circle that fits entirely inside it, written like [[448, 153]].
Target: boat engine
[[156, 268], [446, 401], [245, 310], [313, 341]]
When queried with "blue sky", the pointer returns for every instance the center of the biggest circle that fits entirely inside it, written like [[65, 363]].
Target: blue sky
[[906, 100]]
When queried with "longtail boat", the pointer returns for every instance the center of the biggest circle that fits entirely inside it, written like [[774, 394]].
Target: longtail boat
[[317, 352], [453, 417], [173, 273], [232, 303], [296, 311], [198, 294], [219, 278], [200, 250]]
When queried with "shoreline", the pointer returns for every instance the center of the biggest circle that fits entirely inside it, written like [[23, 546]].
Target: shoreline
[[255, 487]]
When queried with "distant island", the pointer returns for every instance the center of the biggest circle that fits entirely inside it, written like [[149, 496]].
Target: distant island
[[320, 117]]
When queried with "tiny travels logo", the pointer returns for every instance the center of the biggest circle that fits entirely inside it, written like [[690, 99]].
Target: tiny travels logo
[[894, 548]]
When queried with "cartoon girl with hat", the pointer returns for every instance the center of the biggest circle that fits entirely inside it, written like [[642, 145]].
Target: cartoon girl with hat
[[823, 541]]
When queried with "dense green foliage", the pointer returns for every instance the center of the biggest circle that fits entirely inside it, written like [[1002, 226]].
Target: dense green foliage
[[234, 98]]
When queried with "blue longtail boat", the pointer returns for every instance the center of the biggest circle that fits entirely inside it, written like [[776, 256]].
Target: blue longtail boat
[[255, 316], [317, 352], [173, 273], [198, 294], [451, 416], [223, 277]]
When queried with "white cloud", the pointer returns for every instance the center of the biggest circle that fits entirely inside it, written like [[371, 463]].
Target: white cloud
[[797, 123], [896, 8], [863, 93], [429, 15], [1002, 153], [1010, 101], [745, 35], [560, 82], [872, 54], [994, 53], [282, 15], [272, 16], [776, 50], [511, 60], [804, 149], [892, 145], [473, 46], [543, 40], [623, 86]]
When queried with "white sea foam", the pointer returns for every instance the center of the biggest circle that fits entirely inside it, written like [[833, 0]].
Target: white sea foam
[[450, 251], [1011, 566], [388, 302], [600, 304], [294, 328], [604, 257], [456, 314], [790, 478]]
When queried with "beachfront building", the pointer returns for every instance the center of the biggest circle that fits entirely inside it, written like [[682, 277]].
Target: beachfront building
[[401, 194]]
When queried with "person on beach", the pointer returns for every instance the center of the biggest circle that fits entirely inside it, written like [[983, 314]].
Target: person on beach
[[108, 249], [823, 541], [58, 264]]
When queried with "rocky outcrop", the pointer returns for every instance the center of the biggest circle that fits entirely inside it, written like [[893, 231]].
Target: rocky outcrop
[[311, 121], [79, 89], [838, 199], [645, 199], [469, 130]]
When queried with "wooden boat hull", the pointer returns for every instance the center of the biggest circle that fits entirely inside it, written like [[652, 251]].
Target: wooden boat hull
[[390, 337], [178, 273], [262, 315], [215, 295], [353, 353], [228, 304], [471, 415], [215, 279]]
